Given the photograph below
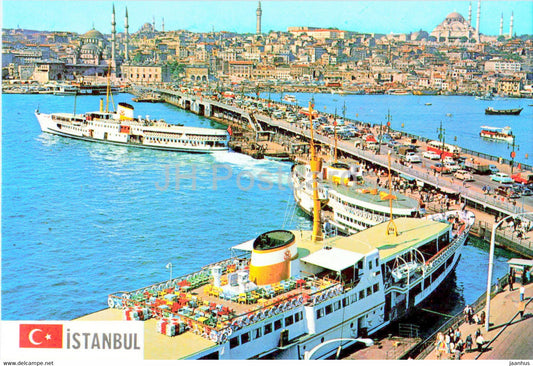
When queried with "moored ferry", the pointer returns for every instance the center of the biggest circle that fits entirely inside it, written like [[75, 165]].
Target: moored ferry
[[497, 133], [122, 128], [350, 204], [287, 296]]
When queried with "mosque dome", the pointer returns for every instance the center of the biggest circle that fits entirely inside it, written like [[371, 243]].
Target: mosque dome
[[455, 17], [93, 33]]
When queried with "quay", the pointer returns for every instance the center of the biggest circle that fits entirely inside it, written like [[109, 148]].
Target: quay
[[257, 134], [509, 337]]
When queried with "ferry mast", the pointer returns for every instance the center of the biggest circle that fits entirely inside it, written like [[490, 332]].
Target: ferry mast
[[316, 165]]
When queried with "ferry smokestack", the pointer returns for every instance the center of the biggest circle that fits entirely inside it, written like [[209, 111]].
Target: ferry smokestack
[[271, 257]]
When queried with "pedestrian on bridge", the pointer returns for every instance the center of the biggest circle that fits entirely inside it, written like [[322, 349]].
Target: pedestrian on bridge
[[522, 293]]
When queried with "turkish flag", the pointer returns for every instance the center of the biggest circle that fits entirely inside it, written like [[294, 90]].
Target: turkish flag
[[41, 336], [230, 130]]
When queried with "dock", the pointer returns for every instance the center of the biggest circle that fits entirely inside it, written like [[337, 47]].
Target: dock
[[509, 337]]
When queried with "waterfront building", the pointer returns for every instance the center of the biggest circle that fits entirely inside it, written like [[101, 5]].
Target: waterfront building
[[502, 66], [146, 74], [509, 86]]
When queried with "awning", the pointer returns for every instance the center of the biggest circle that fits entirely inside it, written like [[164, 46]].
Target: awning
[[334, 259], [520, 262], [247, 246], [407, 177]]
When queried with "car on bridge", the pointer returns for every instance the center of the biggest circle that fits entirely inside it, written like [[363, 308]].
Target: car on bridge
[[438, 167], [501, 177], [431, 155], [463, 175]]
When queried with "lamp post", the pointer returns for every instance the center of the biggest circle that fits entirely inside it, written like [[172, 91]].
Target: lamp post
[[169, 266], [491, 262], [513, 153]]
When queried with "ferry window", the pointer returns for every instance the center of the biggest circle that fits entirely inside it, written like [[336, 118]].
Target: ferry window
[[320, 313], [245, 337], [336, 306], [377, 263], [360, 264], [361, 294], [345, 302], [354, 297], [268, 328], [277, 324], [298, 316], [257, 333], [368, 291], [329, 309], [369, 265], [233, 342], [375, 288], [289, 320]]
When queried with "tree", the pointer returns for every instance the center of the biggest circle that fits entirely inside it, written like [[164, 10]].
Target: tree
[[176, 70]]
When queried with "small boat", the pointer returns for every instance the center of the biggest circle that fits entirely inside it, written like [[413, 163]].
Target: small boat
[[487, 96], [428, 103], [512, 112], [497, 133], [289, 98], [425, 92]]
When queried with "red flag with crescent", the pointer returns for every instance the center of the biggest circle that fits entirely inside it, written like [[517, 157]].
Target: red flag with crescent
[[230, 131], [41, 336]]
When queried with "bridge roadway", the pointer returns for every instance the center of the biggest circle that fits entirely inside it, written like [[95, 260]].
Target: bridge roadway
[[208, 107]]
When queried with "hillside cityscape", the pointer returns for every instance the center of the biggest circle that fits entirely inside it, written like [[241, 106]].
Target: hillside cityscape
[[453, 58]]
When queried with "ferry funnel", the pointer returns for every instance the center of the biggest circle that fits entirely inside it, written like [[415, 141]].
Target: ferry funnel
[[271, 257]]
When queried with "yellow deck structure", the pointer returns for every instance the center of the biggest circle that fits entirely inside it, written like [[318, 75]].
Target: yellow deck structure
[[412, 233], [158, 346]]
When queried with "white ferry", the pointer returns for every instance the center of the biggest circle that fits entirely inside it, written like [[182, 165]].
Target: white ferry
[[497, 133], [289, 98], [293, 295], [350, 204], [290, 297], [122, 128]]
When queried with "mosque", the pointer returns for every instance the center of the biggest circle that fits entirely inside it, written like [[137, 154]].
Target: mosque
[[453, 28]]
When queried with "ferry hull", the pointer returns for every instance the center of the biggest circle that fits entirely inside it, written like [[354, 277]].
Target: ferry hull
[[81, 133]]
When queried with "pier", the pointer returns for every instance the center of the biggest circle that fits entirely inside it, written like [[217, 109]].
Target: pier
[[261, 130]]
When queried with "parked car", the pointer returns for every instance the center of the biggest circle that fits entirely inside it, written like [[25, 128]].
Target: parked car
[[412, 157], [431, 155], [493, 169], [452, 166], [463, 175], [438, 167], [501, 177], [448, 160]]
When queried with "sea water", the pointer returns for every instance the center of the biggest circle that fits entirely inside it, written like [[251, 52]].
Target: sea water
[[81, 220], [461, 117]]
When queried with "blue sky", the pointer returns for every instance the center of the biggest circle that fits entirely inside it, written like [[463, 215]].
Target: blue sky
[[239, 16]]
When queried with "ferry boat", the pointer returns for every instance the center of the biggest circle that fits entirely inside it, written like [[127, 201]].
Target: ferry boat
[[398, 92], [350, 204], [64, 89], [293, 294], [497, 133], [487, 96], [122, 128], [289, 98], [513, 112]]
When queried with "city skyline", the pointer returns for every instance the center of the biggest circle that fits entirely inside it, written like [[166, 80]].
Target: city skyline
[[240, 16]]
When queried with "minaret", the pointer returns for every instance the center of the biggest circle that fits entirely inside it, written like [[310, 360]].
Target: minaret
[[162, 24], [470, 14], [113, 35], [501, 25], [477, 19], [258, 12], [511, 26], [153, 23], [126, 36]]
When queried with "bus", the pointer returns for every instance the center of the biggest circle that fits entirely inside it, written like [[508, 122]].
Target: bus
[[444, 149]]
